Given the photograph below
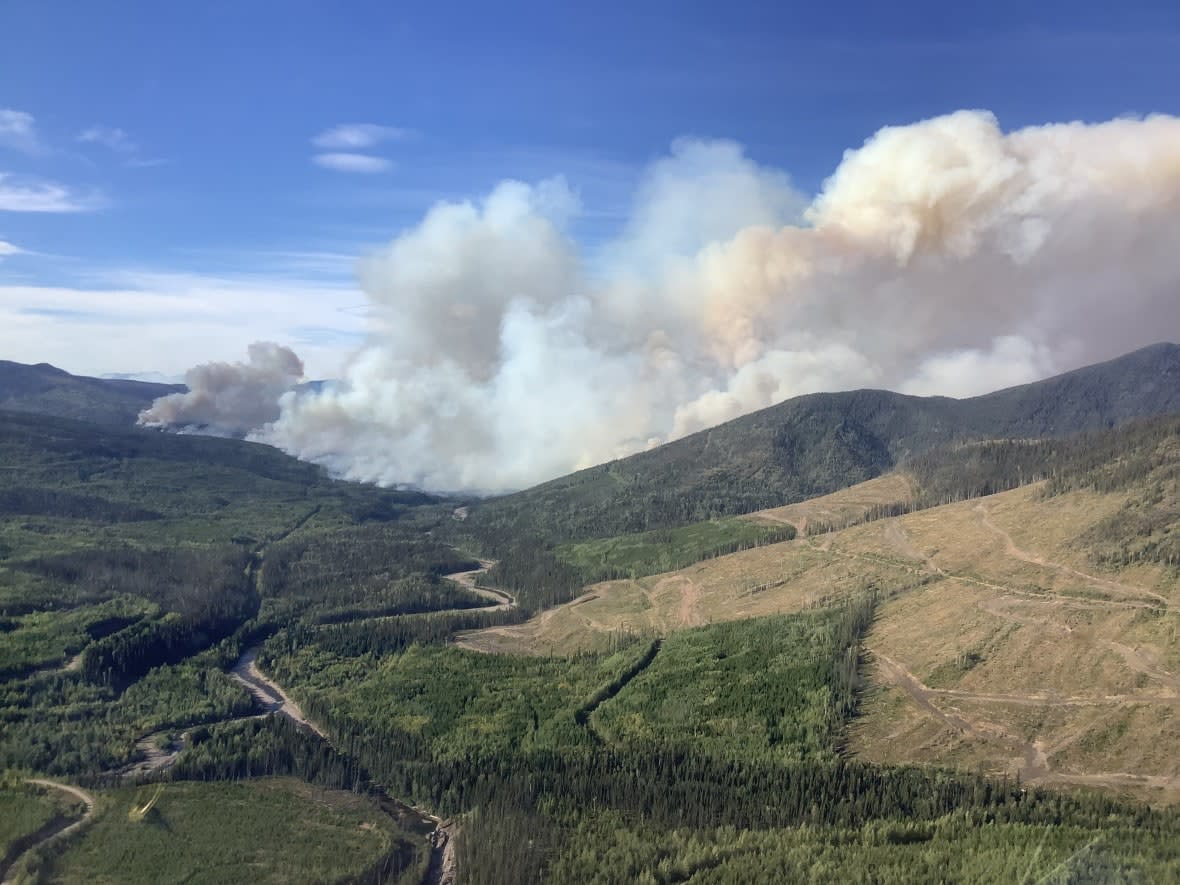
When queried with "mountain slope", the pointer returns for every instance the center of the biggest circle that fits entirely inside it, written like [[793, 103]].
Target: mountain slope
[[1028, 632], [815, 444], [48, 390]]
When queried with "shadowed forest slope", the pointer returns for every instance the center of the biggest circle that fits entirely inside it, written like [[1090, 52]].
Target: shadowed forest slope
[[48, 390], [816, 444]]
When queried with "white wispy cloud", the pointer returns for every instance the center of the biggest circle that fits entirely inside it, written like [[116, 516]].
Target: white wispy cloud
[[36, 195], [18, 130], [148, 162], [135, 320], [109, 137], [345, 162], [119, 142], [358, 136], [8, 249]]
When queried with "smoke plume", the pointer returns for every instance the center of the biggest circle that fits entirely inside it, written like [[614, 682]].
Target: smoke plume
[[941, 257], [230, 399]]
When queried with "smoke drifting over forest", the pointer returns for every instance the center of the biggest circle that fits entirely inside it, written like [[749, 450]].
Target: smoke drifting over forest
[[231, 398], [941, 257]]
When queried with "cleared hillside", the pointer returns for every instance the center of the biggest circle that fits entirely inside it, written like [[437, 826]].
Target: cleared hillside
[[814, 445], [1030, 632], [844, 507]]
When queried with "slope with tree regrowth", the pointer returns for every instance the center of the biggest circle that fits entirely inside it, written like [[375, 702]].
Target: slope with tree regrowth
[[1029, 632]]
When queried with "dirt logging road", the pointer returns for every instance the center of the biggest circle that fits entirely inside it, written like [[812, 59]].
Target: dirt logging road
[[58, 828]]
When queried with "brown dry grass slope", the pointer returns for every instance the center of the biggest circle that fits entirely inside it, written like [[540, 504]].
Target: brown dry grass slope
[[998, 645], [842, 508]]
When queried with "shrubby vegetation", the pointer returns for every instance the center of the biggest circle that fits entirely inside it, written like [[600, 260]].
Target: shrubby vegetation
[[355, 571], [610, 848], [382, 636], [24, 811]]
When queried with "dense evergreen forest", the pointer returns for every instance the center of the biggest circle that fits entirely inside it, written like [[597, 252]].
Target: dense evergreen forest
[[136, 566]]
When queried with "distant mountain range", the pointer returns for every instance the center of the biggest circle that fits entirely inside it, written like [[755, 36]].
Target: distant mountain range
[[48, 390], [112, 400], [815, 444], [803, 447]]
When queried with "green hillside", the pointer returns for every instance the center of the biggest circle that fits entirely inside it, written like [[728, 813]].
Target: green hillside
[[134, 563]]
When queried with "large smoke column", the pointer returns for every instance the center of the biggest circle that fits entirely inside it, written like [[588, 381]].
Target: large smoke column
[[230, 398], [942, 257]]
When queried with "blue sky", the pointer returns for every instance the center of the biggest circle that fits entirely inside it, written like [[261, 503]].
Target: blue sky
[[184, 160]]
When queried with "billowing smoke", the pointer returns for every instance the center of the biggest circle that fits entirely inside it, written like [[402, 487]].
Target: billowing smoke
[[942, 257], [230, 398]]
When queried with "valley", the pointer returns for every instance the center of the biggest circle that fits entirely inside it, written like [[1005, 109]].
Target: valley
[[969, 655]]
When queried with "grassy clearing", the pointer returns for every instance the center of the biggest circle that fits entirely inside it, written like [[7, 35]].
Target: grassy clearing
[[23, 810], [252, 831]]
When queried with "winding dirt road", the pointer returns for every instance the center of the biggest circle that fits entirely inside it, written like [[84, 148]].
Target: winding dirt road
[[272, 698], [1011, 549], [268, 693], [466, 580], [58, 828]]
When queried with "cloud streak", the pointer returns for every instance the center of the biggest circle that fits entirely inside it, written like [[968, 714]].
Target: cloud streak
[[111, 138], [18, 131], [362, 163], [358, 136], [342, 146], [36, 195], [945, 256], [136, 320]]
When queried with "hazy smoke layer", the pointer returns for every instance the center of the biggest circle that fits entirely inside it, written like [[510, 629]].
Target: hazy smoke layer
[[230, 398], [942, 257]]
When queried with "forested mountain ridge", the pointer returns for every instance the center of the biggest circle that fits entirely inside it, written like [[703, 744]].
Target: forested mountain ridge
[[814, 444], [48, 390]]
